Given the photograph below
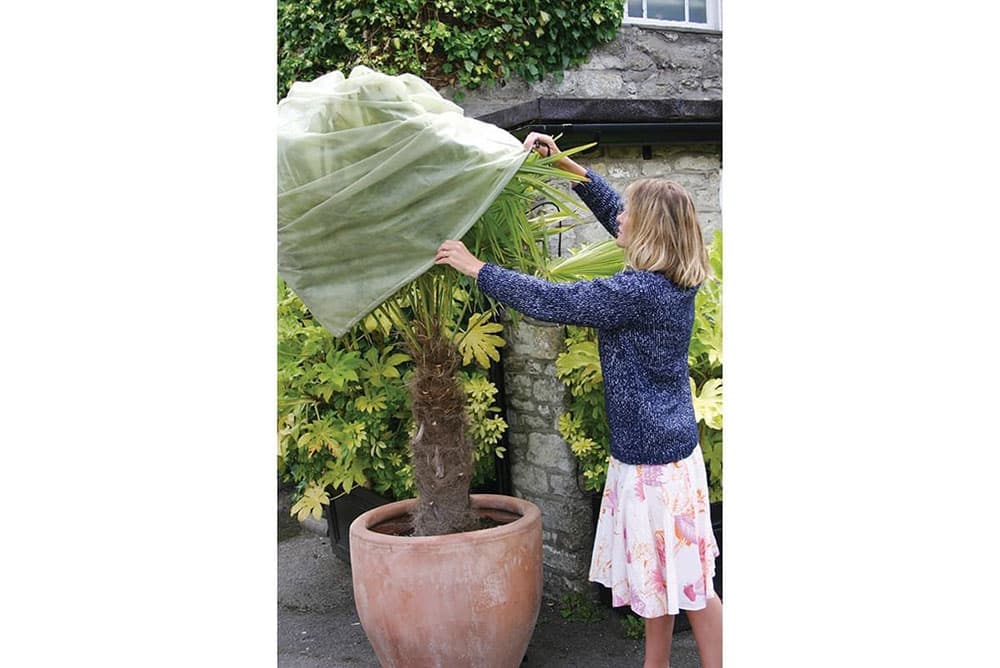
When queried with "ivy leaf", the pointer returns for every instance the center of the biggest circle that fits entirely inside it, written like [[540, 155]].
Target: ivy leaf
[[708, 403], [480, 341]]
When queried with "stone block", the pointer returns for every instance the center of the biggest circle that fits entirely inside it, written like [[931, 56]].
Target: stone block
[[698, 162], [623, 170], [604, 61], [517, 441], [564, 483], [549, 391], [547, 340], [583, 235], [661, 47], [638, 61], [656, 168], [599, 83], [528, 478], [657, 88], [711, 84], [524, 405], [709, 222], [519, 385], [550, 451], [556, 586], [623, 153], [565, 514], [580, 540], [513, 364], [538, 425], [545, 368], [567, 563]]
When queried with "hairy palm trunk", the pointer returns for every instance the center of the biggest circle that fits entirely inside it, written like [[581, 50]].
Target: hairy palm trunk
[[442, 452]]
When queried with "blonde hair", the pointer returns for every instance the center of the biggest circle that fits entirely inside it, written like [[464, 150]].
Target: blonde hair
[[664, 233]]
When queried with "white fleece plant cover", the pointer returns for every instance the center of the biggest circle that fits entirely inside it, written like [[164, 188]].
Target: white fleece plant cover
[[374, 172]]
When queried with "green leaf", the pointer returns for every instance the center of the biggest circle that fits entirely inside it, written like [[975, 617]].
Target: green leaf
[[480, 341], [596, 260], [708, 402], [311, 503], [370, 404], [321, 434], [583, 361]]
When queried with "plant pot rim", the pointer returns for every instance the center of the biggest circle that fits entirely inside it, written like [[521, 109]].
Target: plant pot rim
[[529, 512]]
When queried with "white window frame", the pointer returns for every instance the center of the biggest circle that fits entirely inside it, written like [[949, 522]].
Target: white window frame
[[713, 14]]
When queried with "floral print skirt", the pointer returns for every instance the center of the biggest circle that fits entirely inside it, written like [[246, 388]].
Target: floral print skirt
[[654, 546]]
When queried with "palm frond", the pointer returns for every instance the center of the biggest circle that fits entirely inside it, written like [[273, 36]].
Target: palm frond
[[596, 260]]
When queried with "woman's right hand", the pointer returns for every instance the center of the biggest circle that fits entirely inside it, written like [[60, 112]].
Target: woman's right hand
[[538, 142], [545, 146]]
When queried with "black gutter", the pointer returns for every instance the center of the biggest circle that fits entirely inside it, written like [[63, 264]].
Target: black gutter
[[621, 122]]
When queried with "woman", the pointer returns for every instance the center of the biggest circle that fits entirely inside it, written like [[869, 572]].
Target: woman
[[654, 545]]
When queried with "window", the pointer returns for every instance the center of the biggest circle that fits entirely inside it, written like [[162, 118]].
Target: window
[[703, 14]]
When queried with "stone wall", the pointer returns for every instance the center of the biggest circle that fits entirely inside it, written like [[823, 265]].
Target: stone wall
[[696, 167], [642, 62], [543, 469]]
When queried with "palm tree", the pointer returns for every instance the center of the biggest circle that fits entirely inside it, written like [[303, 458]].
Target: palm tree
[[369, 143], [426, 312]]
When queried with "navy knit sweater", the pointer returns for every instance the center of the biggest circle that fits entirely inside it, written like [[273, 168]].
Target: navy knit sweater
[[643, 323]]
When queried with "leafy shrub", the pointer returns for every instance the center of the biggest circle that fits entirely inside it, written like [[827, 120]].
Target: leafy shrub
[[633, 626], [584, 425], [442, 41], [577, 607], [343, 418]]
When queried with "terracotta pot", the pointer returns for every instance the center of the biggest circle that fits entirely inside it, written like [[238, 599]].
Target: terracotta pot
[[467, 599]]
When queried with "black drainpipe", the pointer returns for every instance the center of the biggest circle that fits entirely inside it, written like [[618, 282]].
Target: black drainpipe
[[502, 465]]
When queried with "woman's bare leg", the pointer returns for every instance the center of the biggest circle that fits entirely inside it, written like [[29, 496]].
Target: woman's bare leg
[[659, 633], [707, 627]]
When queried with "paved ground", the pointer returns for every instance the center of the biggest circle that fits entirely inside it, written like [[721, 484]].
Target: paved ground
[[318, 625]]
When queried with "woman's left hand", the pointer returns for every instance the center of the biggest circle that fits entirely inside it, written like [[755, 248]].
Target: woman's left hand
[[458, 256]]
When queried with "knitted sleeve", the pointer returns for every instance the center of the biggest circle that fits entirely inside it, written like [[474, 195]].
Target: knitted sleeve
[[605, 303], [601, 199]]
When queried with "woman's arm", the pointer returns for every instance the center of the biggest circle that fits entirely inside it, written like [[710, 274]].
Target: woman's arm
[[604, 303], [597, 194]]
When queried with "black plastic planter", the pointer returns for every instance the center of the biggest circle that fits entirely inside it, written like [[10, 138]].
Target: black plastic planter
[[342, 511]]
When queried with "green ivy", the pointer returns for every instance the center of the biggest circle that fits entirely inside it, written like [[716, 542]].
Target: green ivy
[[468, 44], [584, 425]]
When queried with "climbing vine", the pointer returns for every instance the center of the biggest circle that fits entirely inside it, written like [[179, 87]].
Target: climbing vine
[[466, 44]]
